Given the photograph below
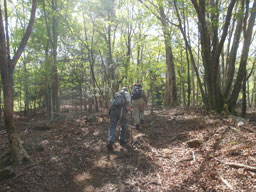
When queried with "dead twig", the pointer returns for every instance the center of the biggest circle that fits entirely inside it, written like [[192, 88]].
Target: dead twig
[[187, 159], [225, 182], [194, 157], [244, 127], [249, 128], [173, 138], [2, 132], [233, 128], [151, 183], [191, 159], [237, 165]]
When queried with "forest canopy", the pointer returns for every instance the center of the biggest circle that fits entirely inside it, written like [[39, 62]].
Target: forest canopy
[[183, 52]]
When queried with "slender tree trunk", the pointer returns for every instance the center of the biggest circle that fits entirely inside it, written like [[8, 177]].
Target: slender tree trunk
[[243, 61], [248, 93], [188, 76], [0, 102], [152, 94], [244, 106], [186, 26], [254, 92], [48, 67], [55, 80], [188, 46], [231, 57], [182, 81], [26, 109], [128, 53]]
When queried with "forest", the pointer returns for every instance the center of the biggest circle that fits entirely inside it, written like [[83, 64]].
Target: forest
[[62, 62]]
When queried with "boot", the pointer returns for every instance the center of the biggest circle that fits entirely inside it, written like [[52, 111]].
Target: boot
[[137, 127], [122, 142], [110, 146]]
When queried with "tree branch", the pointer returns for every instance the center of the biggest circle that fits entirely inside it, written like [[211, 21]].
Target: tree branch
[[25, 37], [237, 165], [226, 26], [157, 16]]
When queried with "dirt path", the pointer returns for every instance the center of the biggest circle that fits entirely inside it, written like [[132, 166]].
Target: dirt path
[[71, 155]]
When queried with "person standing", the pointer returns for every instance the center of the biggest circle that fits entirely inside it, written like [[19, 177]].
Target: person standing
[[139, 100], [121, 103]]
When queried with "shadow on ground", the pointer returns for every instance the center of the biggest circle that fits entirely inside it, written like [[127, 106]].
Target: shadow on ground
[[156, 158]]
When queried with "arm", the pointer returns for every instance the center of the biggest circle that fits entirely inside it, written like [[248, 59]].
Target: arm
[[128, 101], [145, 98]]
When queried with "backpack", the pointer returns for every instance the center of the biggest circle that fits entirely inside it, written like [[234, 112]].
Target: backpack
[[137, 93], [119, 100]]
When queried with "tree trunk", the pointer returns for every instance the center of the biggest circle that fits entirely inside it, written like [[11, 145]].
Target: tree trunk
[[243, 61], [1, 103], [244, 96], [55, 81], [254, 92], [231, 57], [212, 46], [171, 89], [188, 47], [17, 152], [248, 93], [182, 81], [152, 80], [26, 109], [7, 66], [186, 26]]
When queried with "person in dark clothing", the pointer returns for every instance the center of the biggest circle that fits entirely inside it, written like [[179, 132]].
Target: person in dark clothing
[[121, 103]]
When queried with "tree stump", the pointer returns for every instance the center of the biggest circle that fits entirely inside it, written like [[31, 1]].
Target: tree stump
[[195, 143]]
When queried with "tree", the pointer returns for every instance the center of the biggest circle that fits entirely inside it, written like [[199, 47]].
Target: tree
[[211, 25], [171, 88], [7, 67]]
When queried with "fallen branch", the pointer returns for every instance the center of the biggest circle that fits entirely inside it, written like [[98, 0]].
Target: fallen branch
[[225, 182], [237, 165], [21, 174], [234, 128], [2, 132], [173, 138], [10, 179], [244, 127], [187, 159], [151, 183], [194, 157], [191, 159], [249, 128]]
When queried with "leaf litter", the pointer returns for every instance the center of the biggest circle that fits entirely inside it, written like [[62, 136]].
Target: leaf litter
[[156, 158]]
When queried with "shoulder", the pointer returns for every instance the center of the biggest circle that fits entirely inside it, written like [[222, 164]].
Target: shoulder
[[126, 93]]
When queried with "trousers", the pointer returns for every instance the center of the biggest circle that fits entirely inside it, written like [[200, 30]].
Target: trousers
[[115, 116], [138, 110]]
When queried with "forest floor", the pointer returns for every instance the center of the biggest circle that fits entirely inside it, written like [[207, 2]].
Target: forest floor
[[70, 154]]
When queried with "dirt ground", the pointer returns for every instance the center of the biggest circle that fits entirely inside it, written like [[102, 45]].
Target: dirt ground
[[70, 154]]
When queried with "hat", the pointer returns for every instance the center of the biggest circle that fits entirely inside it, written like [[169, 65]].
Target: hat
[[124, 88], [138, 85]]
